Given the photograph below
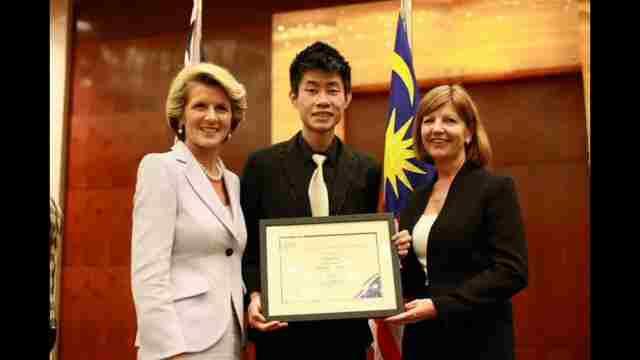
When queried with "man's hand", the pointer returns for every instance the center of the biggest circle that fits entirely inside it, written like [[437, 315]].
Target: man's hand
[[257, 320]]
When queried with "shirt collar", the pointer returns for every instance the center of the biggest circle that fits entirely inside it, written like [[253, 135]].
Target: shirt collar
[[331, 153]]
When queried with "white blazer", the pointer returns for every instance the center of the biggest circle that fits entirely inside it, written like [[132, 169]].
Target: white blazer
[[186, 252]]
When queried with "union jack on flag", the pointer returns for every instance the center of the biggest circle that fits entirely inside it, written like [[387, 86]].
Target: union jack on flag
[[194, 53]]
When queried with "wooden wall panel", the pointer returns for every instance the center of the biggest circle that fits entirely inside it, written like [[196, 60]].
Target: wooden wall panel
[[98, 310], [533, 120], [101, 230], [537, 130], [365, 122], [553, 312], [111, 143]]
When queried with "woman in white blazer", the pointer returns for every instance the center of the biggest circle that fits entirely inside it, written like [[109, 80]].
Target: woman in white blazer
[[188, 228]]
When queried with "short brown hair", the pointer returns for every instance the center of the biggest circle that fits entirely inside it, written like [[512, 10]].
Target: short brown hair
[[207, 74], [479, 149]]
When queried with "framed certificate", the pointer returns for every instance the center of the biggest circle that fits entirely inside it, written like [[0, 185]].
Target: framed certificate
[[334, 267]]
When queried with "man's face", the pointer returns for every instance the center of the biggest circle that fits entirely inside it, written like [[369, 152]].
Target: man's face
[[321, 100]]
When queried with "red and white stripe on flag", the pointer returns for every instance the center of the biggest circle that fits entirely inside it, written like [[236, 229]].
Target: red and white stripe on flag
[[387, 342]]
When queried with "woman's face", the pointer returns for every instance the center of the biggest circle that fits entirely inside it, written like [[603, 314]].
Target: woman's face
[[444, 134], [207, 116]]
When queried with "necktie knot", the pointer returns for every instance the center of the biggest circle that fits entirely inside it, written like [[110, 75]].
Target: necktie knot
[[318, 159]]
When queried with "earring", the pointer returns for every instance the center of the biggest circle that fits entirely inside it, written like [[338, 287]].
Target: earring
[[229, 136], [180, 130]]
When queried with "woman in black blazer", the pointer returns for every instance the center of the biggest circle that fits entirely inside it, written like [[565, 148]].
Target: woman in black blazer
[[467, 255]]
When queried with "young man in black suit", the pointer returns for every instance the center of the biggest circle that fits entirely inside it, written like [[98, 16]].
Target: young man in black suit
[[276, 184]]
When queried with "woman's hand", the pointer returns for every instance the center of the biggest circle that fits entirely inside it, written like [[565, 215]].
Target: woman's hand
[[416, 310], [257, 320], [402, 242]]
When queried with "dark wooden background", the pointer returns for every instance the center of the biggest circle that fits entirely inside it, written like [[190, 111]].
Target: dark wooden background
[[120, 74]]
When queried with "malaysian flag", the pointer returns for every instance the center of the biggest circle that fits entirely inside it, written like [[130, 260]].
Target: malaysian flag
[[403, 172]]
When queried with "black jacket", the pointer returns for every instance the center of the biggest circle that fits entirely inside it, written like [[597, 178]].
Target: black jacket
[[476, 261], [272, 188]]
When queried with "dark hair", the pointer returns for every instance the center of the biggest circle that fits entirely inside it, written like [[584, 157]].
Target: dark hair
[[319, 56], [479, 149]]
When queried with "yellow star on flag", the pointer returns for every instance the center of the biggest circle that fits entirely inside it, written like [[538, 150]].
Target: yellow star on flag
[[397, 152]]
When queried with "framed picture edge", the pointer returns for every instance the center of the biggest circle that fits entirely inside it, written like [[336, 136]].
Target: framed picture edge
[[395, 265]]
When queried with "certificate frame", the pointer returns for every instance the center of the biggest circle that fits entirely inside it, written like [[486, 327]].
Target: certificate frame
[[312, 268]]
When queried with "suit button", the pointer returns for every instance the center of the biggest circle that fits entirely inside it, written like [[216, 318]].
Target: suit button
[[229, 252]]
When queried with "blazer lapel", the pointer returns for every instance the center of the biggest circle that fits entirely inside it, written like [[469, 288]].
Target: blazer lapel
[[234, 202], [342, 180], [467, 167], [293, 165], [202, 187]]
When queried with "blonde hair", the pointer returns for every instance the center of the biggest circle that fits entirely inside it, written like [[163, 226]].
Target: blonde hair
[[207, 74], [479, 149]]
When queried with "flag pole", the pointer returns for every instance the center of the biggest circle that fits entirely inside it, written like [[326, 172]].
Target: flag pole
[[388, 337], [406, 11]]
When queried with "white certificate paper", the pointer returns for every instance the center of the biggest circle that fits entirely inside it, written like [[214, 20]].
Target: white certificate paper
[[328, 268]]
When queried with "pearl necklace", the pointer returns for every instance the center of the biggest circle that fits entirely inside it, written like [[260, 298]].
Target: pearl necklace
[[211, 176]]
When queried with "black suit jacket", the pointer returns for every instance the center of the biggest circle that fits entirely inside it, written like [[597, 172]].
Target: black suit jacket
[[476, 261], [272, 188]]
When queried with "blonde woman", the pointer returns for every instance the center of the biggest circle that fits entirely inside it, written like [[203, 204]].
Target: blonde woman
[[188, 227]]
